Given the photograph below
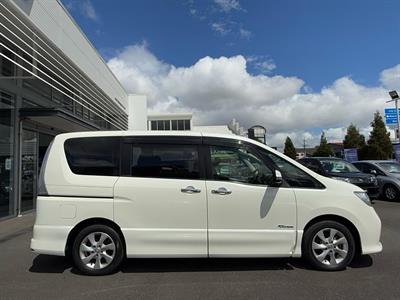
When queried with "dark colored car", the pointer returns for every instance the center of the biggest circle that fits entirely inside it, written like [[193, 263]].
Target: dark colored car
[[341, 169], [387, 173]]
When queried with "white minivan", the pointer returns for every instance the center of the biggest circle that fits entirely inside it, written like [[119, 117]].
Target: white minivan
[[104, 196]]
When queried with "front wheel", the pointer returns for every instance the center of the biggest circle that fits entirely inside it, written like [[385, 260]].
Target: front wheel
[[390, 192], [328, 246], [97, 250]]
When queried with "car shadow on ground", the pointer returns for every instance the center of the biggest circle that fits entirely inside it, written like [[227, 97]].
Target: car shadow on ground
[[57, 264]]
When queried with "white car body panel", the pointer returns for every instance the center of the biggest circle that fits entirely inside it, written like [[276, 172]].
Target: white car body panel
[[251, 221], [157, 220]]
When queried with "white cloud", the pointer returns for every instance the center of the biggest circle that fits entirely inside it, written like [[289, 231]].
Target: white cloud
[[219, 89], [390, 78], [221, 28], [228, 5], [87, 9], [262, 63], [244, 33]]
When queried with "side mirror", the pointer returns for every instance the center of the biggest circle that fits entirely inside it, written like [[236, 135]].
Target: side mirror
[[373, 172], [278, 178]]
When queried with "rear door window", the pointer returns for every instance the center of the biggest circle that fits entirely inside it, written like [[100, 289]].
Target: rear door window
[[162, 161]]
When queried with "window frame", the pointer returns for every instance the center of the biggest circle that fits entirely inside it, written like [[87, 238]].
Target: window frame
[[119, 163], [129, 141], [211, 141]]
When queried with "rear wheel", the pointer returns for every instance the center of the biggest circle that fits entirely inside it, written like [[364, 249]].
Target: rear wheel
[[390, 192], [97, 250], [328, 246]]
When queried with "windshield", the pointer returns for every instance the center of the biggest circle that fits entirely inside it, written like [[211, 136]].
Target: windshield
[[338, 166], [390, 167]]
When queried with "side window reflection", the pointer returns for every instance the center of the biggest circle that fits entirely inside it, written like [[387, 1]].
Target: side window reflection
[[240, 165]]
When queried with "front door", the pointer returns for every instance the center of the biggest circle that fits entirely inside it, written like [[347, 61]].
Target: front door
[[160, 201], [247, 216]]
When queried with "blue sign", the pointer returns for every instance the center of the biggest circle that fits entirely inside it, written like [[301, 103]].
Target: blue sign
[[390, 116], [396, 148], [350, 154]]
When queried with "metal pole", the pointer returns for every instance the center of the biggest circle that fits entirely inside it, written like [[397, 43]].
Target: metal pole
[[397, 118]]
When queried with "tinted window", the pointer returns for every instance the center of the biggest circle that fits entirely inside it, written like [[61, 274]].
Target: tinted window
[[312, 165], [239, 164], [187, 124], [389, 167], [160, 125], [174, 124], [292, 175], [93, 156], [337, 166], [181, 125], [164, 161]]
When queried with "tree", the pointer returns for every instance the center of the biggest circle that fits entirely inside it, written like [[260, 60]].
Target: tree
[[289, 150], [379, 143], [353, 138], [323, 149]]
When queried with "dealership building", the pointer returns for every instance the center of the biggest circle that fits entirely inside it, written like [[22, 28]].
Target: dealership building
[[52, 80]]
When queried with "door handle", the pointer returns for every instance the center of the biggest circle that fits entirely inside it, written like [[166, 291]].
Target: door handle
[[190, 190], [221, 191]]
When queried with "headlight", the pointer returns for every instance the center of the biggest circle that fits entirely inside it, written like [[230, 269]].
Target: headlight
[[363, 196], [342, 179]]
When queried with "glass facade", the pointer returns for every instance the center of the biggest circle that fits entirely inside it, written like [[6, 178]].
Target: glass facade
[[170, 125], [36, 77], [6, 153]]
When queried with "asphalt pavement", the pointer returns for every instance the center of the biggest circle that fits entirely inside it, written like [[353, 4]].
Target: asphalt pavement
[[24, 275]]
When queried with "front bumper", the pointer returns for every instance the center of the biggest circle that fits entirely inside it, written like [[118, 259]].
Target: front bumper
[[373, 192], [370, 233]]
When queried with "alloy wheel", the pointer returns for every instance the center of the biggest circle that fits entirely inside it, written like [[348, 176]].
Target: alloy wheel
[[390, 193], [330, 246], [97, 250]]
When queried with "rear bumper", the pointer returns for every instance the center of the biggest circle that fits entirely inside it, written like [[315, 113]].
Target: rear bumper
[[49, 240]]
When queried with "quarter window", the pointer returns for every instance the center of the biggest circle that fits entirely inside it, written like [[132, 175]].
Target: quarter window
[[293, 176], [93, 156], [164, 161], [239, 164]]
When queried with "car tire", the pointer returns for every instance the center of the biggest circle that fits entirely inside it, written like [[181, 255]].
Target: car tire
[[98, 250], [328, 246], [390, 192]]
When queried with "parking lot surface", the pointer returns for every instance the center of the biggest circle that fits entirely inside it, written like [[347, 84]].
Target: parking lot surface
[[24, 275]]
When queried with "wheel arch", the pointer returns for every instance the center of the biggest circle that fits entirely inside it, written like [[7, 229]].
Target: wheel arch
[[342, 220], [92, 221]]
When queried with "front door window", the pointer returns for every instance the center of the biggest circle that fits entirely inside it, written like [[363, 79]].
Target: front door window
[[240, 165]]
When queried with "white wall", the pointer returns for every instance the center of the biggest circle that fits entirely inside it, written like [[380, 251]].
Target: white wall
[[137, 112]]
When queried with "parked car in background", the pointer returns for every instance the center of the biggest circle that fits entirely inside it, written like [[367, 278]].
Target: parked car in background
[[341, 169], [387, 173]]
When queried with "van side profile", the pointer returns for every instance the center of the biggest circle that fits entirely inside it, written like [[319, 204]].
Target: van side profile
[[105, 196]]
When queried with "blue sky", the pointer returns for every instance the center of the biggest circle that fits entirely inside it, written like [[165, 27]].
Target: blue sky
[[315, 40], [320, 43]]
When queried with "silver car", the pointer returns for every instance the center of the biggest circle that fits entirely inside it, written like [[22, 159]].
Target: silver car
[[387, 173]]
